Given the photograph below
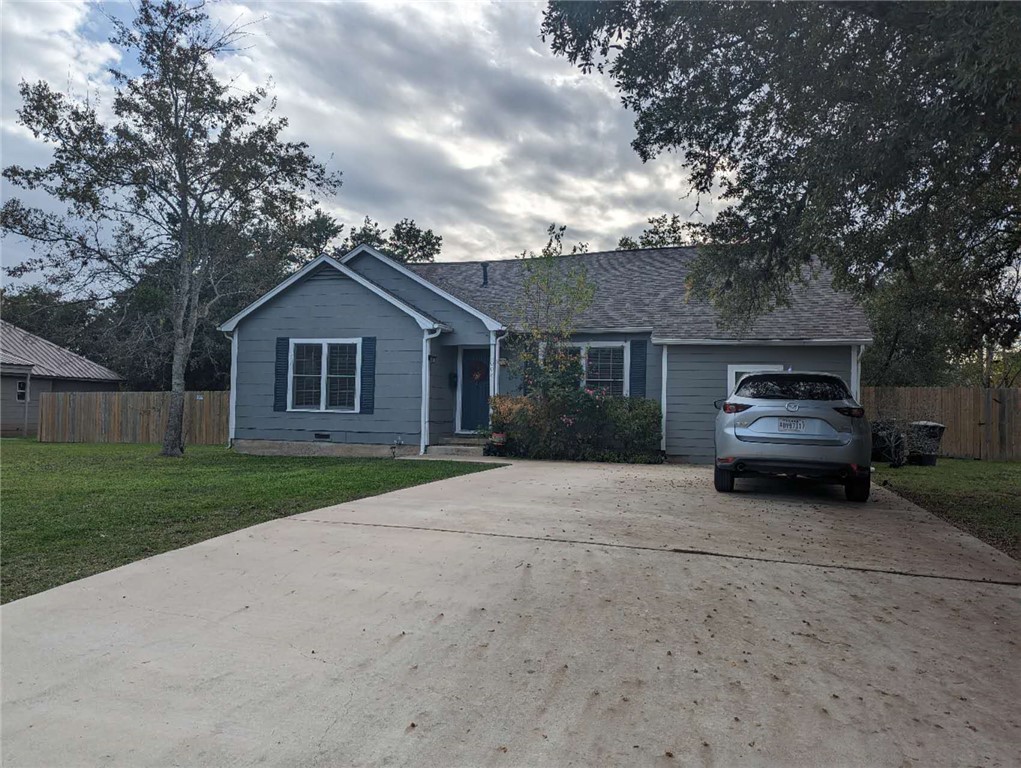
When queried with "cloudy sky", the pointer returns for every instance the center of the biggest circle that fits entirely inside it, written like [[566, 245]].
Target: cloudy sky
[[453, 114]]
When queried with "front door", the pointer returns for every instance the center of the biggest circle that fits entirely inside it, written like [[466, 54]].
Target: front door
[[474, 389]]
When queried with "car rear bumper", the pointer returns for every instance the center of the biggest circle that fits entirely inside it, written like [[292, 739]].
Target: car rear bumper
[[819, 469]]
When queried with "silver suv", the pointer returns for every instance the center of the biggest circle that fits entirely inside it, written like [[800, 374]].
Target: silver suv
[[793, 423]]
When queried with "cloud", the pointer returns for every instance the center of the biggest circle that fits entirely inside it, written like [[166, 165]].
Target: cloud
[[454, 114]]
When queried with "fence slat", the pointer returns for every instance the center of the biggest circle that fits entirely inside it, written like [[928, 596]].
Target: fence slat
[[981, 423], [130, 417]]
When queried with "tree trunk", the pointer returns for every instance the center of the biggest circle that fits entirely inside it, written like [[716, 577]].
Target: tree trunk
[[173, 437]]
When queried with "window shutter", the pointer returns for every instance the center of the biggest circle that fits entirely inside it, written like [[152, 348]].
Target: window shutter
[[368, 394], [639, 352], [280, 374]]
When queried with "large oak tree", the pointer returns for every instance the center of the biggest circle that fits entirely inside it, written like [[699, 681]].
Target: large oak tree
[[186, 187], [879, 140]]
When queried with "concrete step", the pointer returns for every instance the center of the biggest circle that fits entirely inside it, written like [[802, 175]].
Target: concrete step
[[455, 450], [459, 440]]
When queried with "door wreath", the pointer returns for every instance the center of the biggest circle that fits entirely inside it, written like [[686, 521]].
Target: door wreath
[[479, 371]]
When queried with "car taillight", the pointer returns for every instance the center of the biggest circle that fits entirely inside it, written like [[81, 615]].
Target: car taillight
[[856, 413], [735, 407]]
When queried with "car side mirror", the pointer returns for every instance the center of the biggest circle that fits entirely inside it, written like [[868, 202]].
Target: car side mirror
[[717, 404]]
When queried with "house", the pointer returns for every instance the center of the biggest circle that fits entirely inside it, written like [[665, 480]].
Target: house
[[31, 365], [358, 354]]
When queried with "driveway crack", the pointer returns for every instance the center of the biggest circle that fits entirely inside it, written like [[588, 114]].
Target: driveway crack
[[668, 550]]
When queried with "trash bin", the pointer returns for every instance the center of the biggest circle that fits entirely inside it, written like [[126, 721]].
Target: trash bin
[[923, 442]]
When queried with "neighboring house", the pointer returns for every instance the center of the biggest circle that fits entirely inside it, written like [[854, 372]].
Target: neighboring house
[[29, 366], [353, 355]]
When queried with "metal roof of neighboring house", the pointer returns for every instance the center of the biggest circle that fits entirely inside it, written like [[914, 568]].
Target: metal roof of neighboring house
[[19, 347], [647, 289]]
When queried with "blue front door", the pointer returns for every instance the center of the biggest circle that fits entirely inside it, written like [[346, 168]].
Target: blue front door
[[474, 389]]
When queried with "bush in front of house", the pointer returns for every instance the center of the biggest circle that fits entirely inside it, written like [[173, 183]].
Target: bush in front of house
[[579, 425]]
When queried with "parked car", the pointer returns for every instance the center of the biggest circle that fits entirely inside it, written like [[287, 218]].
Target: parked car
[[793, 423]]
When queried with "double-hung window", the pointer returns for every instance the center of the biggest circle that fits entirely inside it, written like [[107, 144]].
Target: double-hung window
[[605, 369], [325, 375]]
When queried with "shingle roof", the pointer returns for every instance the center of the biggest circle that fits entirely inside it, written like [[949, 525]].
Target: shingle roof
[[646, 288], [19, 347]]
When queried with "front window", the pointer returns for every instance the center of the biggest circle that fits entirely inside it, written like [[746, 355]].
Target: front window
[[604, 370], [324, 374], [22, 391]]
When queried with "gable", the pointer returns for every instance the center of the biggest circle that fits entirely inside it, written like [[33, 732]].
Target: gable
[[326, 269], [467, 327]]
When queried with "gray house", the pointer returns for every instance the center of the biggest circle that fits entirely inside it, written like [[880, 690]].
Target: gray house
[[352, 355], [29, 366]]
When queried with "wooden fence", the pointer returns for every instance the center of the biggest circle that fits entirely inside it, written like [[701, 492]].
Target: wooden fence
[[981, 423], [130, 417]]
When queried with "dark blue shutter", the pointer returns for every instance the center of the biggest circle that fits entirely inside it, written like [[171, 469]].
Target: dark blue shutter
[[639, 353], [280, 374], [368, 374]]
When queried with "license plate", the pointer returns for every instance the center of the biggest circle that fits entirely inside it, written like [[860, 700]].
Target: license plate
[[791, 425]]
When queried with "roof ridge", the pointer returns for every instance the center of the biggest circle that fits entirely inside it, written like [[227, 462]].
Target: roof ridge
[[54, 348], [561, 256]]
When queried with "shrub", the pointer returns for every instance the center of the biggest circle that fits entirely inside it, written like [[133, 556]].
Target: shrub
[[579, 425]]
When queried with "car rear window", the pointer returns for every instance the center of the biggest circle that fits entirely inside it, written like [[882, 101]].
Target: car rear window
[[766, 386]]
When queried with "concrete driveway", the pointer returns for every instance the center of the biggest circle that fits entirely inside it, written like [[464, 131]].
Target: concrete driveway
[[537, 614]]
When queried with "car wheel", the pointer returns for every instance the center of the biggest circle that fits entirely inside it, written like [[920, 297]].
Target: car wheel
[[858, 489], [723, 480]]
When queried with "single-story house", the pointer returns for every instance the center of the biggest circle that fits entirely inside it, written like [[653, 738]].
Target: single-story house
[[359, 353], [29, 366]]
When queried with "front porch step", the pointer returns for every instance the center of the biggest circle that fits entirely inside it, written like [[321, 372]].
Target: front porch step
[[460, 440], [455, 450]]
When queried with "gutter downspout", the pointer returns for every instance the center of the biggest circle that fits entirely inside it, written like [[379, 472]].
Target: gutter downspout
[[427, 336], [856, 371], [662, 399], [496, 361], [233, 402]]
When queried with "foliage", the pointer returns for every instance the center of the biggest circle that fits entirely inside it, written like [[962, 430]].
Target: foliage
[[579, 425], [406, 242], [881, 141], [189, 184], [72, 510], [664, 231], [554, 292]]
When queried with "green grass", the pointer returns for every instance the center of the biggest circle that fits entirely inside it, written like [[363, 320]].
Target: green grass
[[71, 510], [982, 497]]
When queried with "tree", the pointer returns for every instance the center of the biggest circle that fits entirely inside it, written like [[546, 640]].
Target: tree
[[666, 231], [406, 242], [554, 292], [879, 140], [175, 193]]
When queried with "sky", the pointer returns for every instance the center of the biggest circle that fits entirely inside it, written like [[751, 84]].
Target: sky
[[456, 115]]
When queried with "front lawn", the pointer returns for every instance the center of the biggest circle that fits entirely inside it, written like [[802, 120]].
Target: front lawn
[[982, 497], [71, 510]]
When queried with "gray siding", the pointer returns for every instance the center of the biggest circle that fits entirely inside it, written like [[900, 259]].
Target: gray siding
[[329, 305], [697, 375], [466, 328], [443, 396], [13, 410]]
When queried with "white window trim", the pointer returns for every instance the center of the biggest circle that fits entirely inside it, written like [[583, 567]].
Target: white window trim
[[732, 371], [584, 346], [325, 345], [26, 391]]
